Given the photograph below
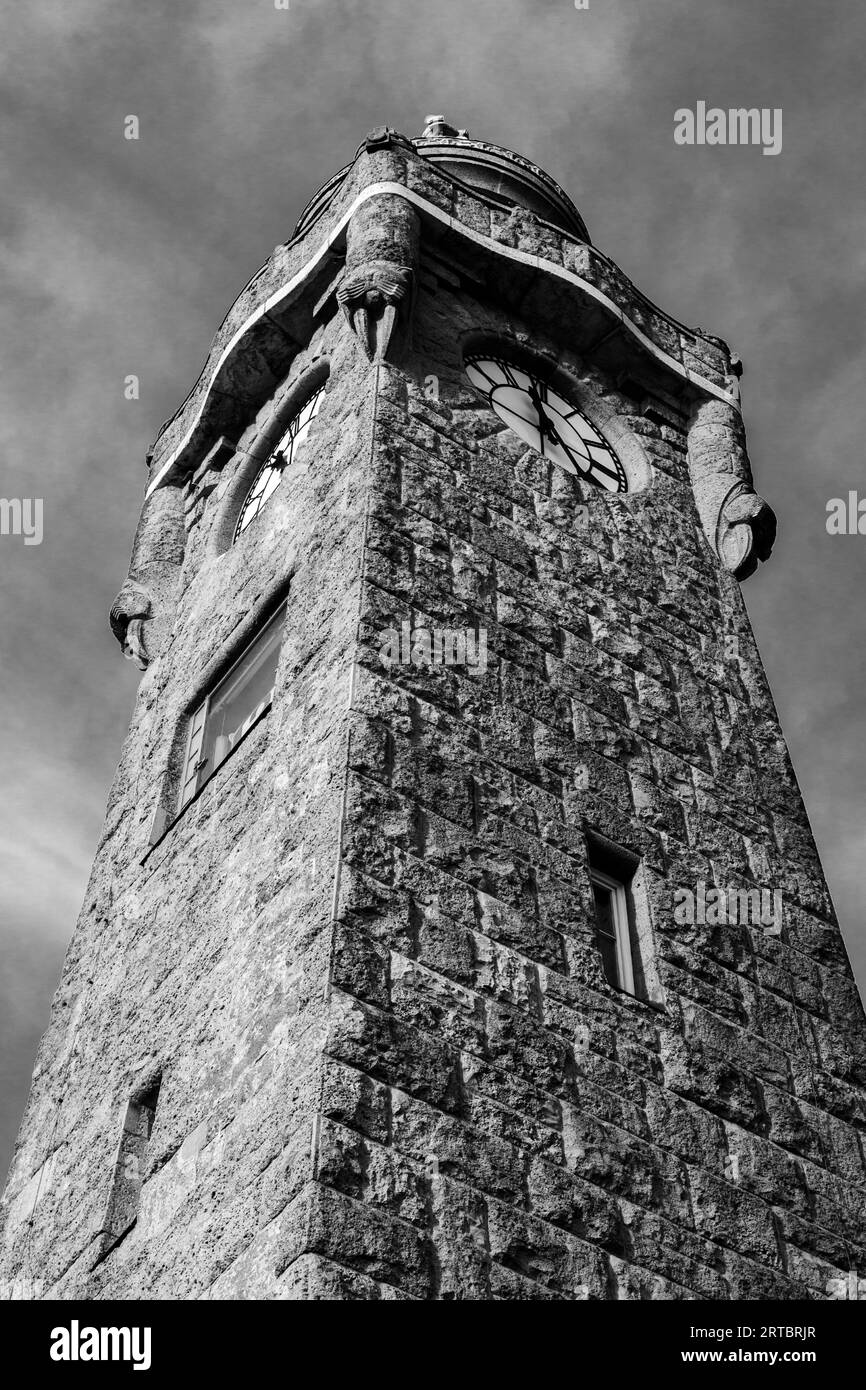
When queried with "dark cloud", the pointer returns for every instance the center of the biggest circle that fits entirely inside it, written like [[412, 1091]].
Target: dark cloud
[[120, 257]]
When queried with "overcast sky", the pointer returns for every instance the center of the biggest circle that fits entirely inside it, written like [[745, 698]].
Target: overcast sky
[[121, 257]]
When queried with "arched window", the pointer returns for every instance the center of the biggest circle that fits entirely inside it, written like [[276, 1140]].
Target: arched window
[[270, 475]]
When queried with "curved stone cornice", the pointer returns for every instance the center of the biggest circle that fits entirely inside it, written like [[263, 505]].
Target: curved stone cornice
[[256, 341]]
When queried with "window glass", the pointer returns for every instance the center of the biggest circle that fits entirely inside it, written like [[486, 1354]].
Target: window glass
[[605, 931], [233, 707], [612, 928]]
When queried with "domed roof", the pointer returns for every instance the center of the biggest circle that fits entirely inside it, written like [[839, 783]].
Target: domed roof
[[490, 171], [498, 174]]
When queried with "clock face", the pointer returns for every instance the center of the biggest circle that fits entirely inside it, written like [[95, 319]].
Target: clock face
[[270, 475], [543, 418]]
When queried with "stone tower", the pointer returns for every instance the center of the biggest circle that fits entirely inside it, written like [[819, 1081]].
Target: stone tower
[[456, 930]]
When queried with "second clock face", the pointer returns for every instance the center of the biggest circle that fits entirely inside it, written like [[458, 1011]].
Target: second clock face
[[547, 421], [270, 475]]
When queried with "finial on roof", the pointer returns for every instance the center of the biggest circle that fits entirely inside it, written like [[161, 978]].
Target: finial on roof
[[438, 126]]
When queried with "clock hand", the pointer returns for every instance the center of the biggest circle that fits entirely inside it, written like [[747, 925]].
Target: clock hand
[[545, 424], [546, 427]]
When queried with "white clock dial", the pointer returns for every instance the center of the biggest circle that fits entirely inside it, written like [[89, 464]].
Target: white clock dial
[[547, 421]]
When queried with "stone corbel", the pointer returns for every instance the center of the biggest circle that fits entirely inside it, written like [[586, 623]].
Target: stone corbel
[[378, 289], [130, 611], [143, 612], [738, 524]]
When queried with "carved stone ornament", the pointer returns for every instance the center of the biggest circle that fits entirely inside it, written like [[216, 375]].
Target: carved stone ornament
[[732, 377], [146, 600], [130, 611], [371, 298], [437, 127], [745, 531], [379, 137], [738, 524]]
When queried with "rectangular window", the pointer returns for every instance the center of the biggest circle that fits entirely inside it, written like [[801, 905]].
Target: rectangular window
[[624, 933], [231, 709], [612, 933], [131, 1168]]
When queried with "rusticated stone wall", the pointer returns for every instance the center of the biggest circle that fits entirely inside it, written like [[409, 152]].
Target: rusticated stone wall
[[205, 957], [361, 964], [506, 1124]]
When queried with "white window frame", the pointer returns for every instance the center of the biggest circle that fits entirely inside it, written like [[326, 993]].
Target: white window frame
[[622, 933]]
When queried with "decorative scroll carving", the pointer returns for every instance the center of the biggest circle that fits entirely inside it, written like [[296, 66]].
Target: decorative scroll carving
[[142, 614], [739, 525], [129, 612], [745, 530]]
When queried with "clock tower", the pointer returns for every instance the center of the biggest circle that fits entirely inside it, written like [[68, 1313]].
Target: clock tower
[[456, 930]]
